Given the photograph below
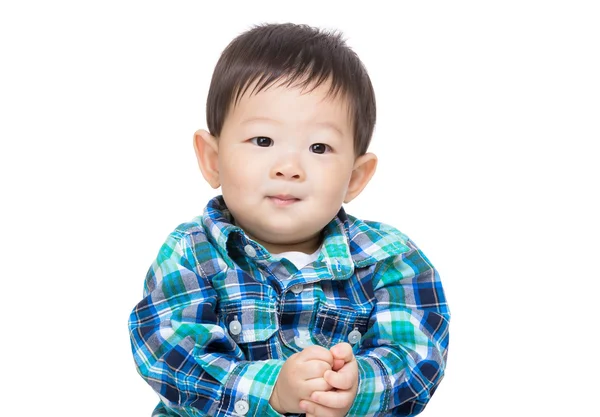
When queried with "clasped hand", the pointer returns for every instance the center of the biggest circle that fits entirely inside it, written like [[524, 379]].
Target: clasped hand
[[318, 382]]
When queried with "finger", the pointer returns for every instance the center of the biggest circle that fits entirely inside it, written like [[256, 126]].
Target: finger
[[338, 364], [308, 386], [342, 351], [316, 384], [316, 352], [313, 409], [306, 407], [333, 399], [317, 366], [312, 369], [344, 379]]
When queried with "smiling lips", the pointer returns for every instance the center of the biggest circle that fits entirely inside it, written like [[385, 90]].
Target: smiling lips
[[283, 200]]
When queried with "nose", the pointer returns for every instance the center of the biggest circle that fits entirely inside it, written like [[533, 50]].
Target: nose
[[288, 167]]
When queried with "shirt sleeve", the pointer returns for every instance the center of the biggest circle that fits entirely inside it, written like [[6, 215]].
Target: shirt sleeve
[[183, 352], [403, 354]]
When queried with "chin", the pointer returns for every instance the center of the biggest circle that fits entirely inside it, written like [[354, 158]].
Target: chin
[[281, 235]]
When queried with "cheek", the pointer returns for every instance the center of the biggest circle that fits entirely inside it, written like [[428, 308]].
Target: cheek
[[236, 171], [244, 183], [334, 183]]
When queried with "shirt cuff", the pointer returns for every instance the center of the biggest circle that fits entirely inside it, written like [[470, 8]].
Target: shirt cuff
[[249, 387], [374, 388]]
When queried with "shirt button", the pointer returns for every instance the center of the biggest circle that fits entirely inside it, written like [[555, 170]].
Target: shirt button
[[297, 289], [242, 407], [250, 251], [235, 327], [354, 337]]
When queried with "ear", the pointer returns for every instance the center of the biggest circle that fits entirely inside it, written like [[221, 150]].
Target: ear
[[207, 154], [364, 168]]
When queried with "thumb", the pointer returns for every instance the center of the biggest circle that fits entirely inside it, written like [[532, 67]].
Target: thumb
[[342, 351], [344, 379], [338, 364]]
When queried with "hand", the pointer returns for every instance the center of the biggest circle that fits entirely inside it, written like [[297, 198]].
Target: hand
[[301, 375], [343, 378]]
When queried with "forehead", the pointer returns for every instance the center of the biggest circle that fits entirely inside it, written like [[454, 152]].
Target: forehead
[[294, 104]]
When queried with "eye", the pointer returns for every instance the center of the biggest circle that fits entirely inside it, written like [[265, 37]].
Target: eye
[[320, 148], [262, 141]]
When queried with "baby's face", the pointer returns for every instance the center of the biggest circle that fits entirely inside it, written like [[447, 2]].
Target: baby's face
[[285, 161]]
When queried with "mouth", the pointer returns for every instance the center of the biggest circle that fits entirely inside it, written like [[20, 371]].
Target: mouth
[[283, 199]]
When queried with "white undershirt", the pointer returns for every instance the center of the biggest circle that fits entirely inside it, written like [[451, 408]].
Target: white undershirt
[[299, 259]]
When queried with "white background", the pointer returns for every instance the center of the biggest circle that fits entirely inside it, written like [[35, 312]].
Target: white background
[[488, 113]]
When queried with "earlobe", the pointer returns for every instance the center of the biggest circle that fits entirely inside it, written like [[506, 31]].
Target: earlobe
[[364, 168], [207, 154]]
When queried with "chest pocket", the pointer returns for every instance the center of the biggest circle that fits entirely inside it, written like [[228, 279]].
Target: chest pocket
[[249, 321], [333, 326]]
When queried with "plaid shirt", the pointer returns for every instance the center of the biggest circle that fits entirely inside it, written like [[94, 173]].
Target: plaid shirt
[[220, 316]]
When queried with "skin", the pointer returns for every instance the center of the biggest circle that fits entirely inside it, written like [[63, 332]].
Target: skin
[[343, 378], [301, 376], [283, 194], [285, 163]]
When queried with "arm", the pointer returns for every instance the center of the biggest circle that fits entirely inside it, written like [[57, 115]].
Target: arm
[[181, 350], [402, 356]]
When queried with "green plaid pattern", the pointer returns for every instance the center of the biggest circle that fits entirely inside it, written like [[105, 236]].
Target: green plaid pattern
[[220, 316]]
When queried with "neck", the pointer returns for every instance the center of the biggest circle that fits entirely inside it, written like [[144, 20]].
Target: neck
[[306, 246]]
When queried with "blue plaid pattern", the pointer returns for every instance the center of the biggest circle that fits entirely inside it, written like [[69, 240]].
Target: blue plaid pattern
[[216, 323]]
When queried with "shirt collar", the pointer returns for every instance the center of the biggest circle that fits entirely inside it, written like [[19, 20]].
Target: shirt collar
[[347, 241], [217, 220], [354, 243]]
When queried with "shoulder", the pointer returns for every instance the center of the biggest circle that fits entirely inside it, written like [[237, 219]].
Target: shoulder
[[399, 258], [189, 242], [375, 230], [190, 228], [372, 241], [187, 232]]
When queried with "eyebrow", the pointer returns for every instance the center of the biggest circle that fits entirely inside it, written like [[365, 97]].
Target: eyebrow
[[327, 125], [331, 126]]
